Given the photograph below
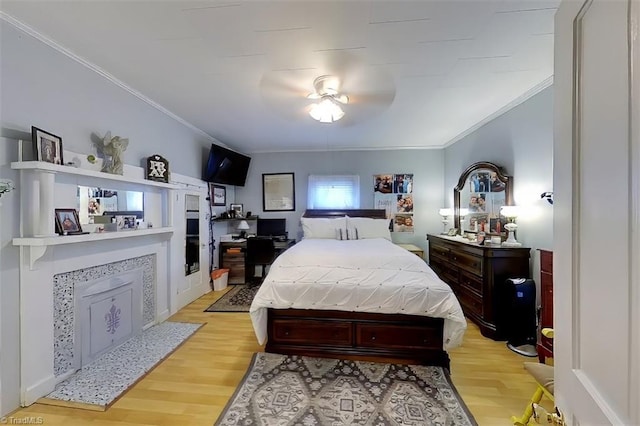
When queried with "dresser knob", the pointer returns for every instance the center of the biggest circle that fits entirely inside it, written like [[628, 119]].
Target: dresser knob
[[373, 337], [286, 332]]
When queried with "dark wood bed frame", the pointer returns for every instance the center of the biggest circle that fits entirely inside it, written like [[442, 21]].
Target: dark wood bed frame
[[363, 336]]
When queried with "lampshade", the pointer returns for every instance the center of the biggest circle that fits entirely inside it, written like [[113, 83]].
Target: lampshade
[[326, 111], [445, 212], [464, 212], [243, 225], [509, 212]]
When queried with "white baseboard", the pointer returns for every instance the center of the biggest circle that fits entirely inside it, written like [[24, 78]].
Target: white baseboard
[[162, 316], [33, 393]]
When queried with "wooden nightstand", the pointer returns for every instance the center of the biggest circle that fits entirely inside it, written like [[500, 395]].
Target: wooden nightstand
[[413, 249]]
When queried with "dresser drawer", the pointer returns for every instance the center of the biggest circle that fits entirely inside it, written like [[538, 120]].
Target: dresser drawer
[[468, 262], [437, 250], [292, 331], [471, 304], [438, 257], [385, 336], [471, 281]]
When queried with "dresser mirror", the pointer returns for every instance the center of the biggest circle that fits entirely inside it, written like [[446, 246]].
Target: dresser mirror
[[95, 205], [481, 192]]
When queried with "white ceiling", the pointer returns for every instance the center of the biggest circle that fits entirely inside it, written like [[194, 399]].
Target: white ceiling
[[419, 74]]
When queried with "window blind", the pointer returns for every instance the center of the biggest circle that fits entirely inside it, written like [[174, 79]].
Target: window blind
[[333, 192]]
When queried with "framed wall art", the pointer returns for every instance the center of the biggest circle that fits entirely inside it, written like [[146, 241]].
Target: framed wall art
[[47, 146], [278, 192], [217, 195]]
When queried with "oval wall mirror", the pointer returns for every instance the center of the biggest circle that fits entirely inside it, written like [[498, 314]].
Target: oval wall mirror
[[481, 192]]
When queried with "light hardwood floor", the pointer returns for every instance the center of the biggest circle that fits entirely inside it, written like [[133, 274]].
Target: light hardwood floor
[[192, 386]]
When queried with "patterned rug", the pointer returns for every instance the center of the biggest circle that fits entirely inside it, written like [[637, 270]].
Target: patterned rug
[[238, 299], [292, 390]]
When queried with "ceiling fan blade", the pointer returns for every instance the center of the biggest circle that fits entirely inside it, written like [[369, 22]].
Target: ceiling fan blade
[[383, 99], [343, 99]]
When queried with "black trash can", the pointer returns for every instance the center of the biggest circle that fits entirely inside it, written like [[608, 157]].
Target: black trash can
[[517, 297]]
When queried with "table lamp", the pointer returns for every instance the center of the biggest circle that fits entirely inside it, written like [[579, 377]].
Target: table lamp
[[445, 213], [242, 227], [510, 212]]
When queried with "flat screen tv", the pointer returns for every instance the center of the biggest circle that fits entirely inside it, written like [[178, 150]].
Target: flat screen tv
[[226, 167]]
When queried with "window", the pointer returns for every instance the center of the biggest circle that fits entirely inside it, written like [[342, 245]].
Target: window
[[333, 192]]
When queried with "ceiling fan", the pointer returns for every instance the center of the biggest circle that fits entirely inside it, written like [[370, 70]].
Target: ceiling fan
[[342, 81], [328, 109]]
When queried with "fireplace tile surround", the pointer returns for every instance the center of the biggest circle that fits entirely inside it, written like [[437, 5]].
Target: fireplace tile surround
[[63, 299]]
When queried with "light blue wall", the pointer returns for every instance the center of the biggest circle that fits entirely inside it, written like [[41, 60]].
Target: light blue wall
[[427, 167], [44, 88], [520, 141]]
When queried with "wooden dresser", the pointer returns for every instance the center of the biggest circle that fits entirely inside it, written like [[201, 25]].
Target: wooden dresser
[[472, 271], [545, 345]]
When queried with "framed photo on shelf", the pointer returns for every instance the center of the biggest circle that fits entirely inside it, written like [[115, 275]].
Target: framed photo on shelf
[[217, 195], [236, 210], [278, 192], [67, 221], [47, 146]]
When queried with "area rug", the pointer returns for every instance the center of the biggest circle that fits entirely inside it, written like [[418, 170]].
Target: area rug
[[295, 390], [99, 384], [238, 299]]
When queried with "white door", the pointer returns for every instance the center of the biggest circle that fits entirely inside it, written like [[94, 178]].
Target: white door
[[596, 213]]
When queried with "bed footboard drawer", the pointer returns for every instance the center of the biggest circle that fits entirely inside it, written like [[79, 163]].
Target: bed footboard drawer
[[396, 336], [299, 331]]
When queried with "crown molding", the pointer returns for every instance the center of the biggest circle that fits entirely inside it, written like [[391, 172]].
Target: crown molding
[[93, 67], [514, 103]]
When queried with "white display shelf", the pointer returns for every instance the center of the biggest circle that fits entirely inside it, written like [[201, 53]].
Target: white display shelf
[[38, 245], [56, 168]]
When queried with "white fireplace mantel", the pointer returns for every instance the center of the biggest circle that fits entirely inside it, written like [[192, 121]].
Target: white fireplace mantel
[[42, 166], [38, 245], [43, 187], [38, 183]]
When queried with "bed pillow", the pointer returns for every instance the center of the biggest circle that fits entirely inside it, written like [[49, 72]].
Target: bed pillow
[[369, 228], [313, 227]]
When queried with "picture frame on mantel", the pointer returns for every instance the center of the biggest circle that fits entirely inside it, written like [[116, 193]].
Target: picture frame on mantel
[[278, 192], [157, 168], [67, 222], [46, 146]]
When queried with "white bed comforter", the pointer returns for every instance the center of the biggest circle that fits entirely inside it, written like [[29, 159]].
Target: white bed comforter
[[370, 275]]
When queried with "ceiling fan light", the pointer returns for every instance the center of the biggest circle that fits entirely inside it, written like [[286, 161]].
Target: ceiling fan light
[[326, 111]]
